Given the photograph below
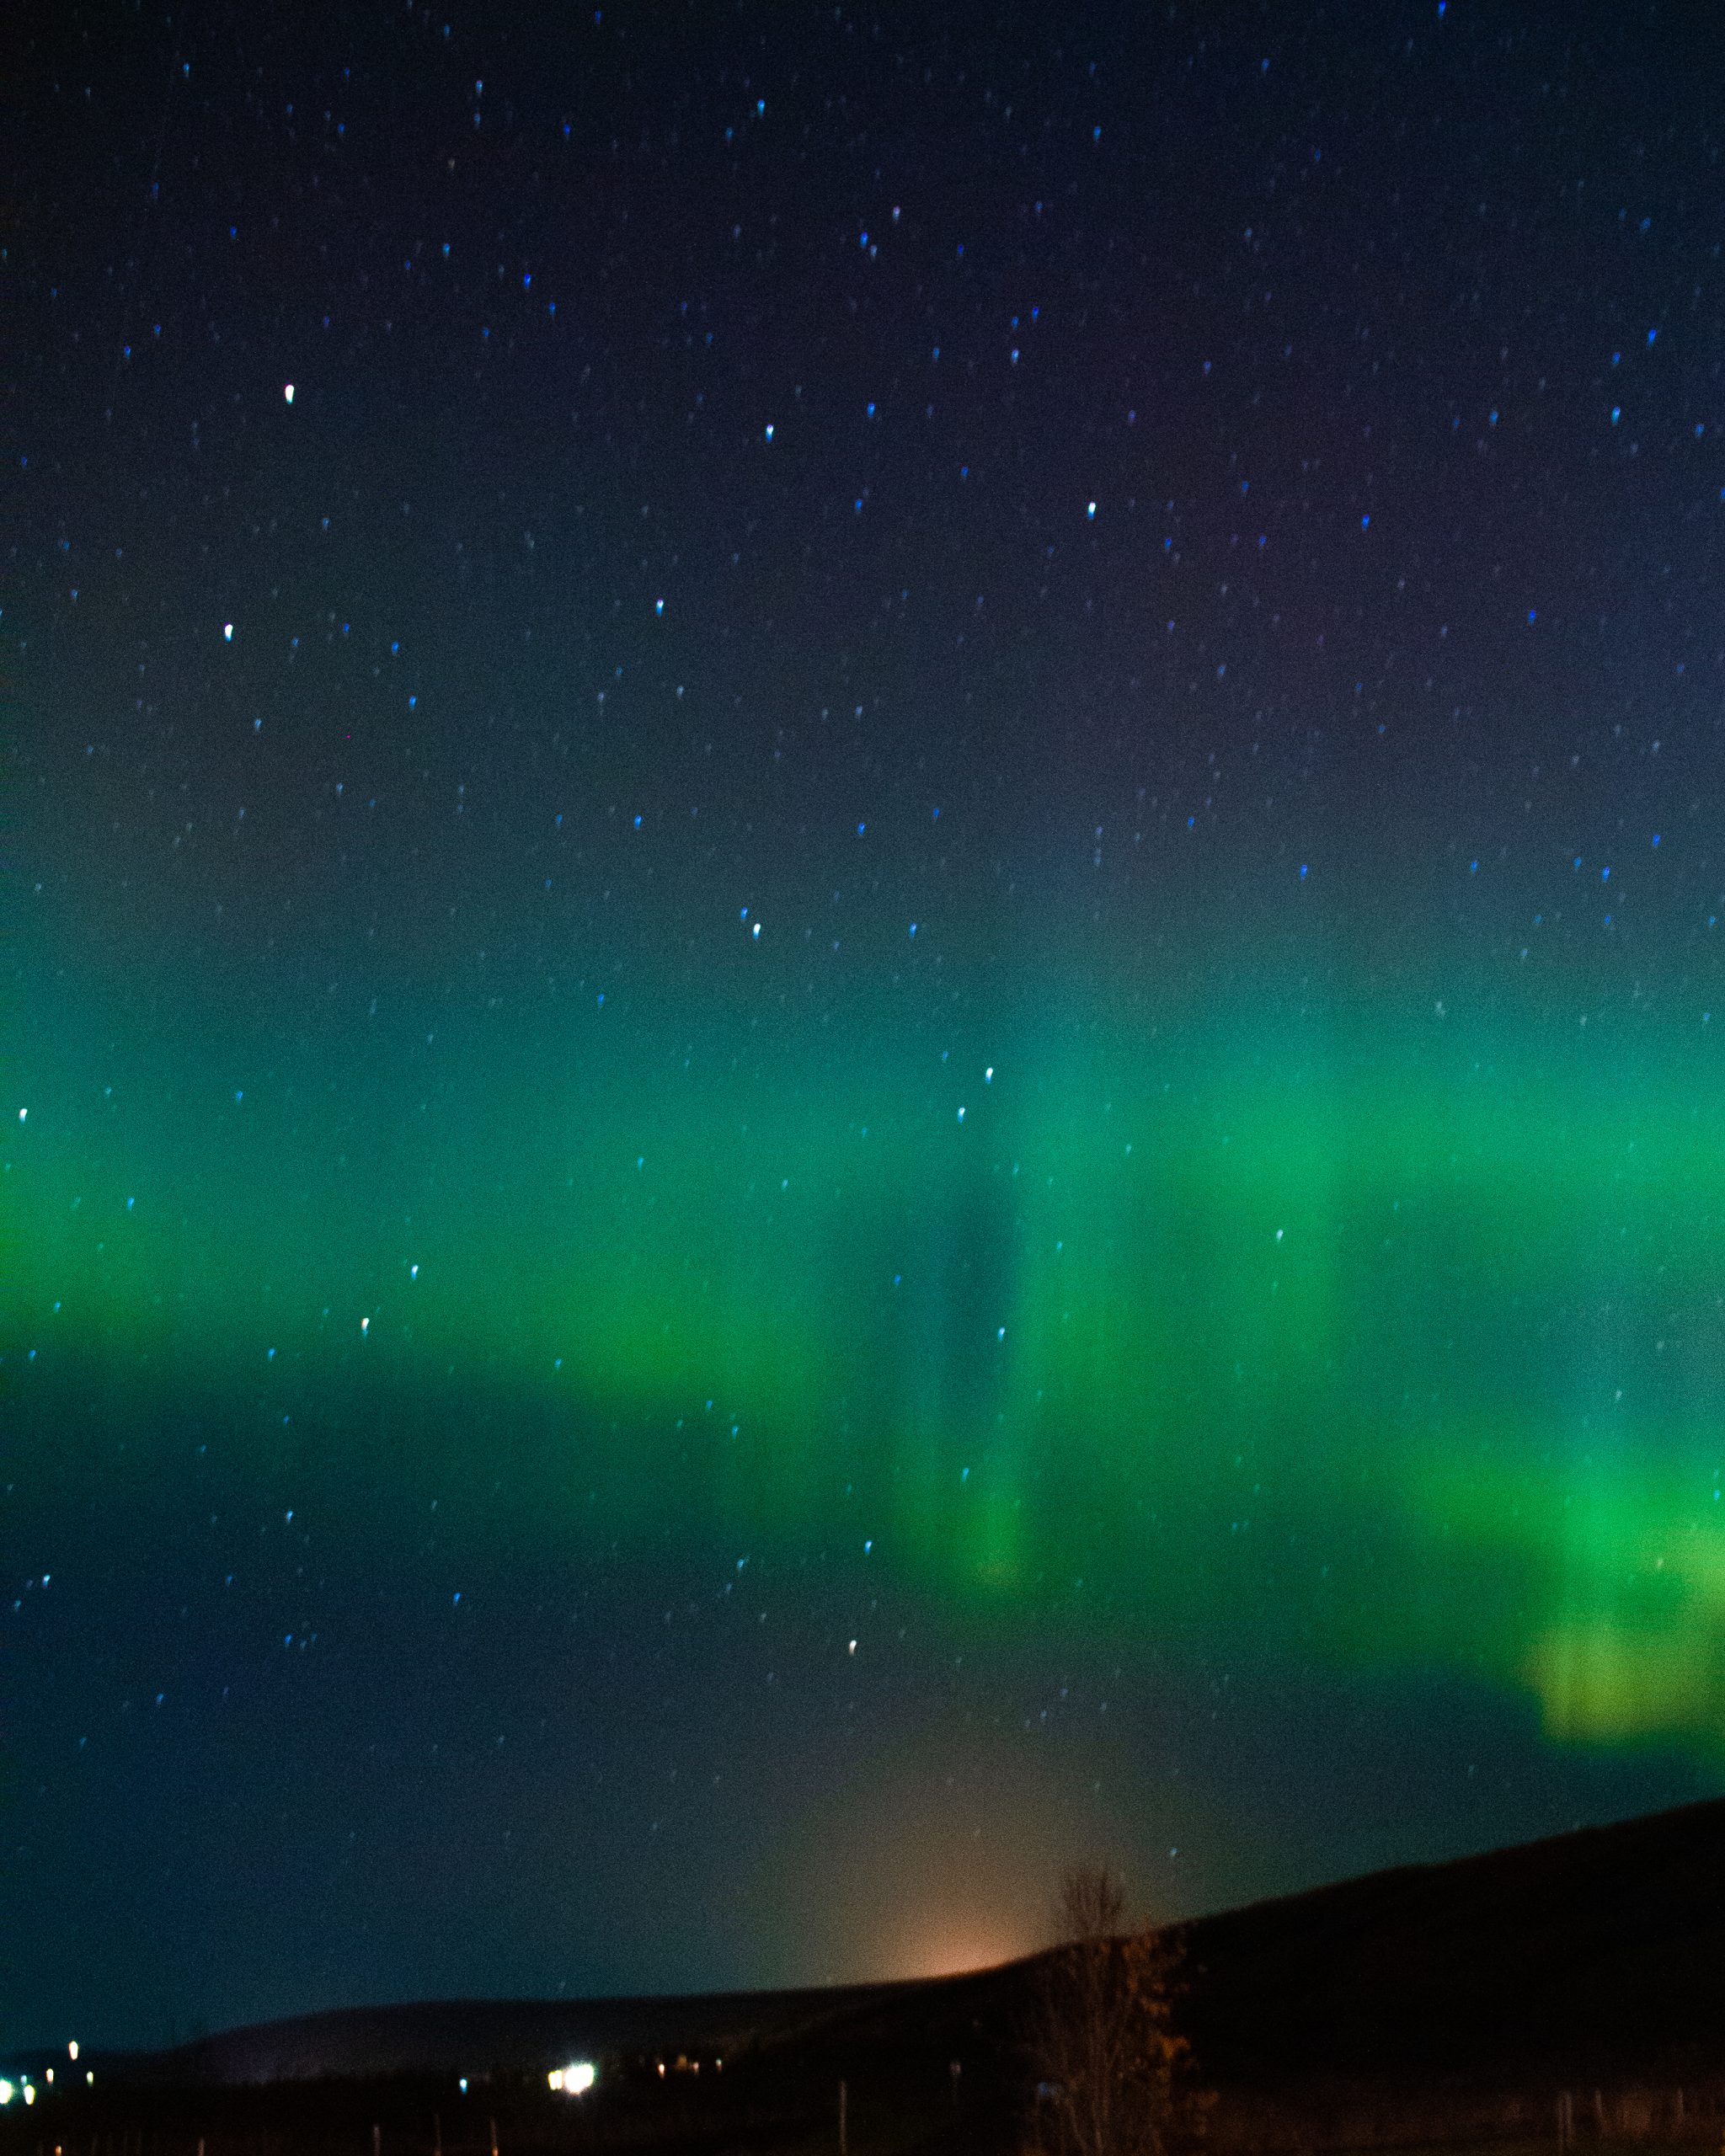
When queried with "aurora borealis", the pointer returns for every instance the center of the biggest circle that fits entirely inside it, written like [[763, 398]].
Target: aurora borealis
[[865, 1026]]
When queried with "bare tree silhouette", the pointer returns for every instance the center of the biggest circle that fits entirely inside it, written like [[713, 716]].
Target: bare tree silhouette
[[1115, 2078]]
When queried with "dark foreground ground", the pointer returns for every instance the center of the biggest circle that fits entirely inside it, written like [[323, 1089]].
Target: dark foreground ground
[[1570, 1991]]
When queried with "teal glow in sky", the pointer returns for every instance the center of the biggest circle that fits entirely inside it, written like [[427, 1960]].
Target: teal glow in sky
[[1393, 1327]]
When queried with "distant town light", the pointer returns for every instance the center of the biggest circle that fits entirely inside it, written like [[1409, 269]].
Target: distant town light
[[7, 2091], [575, 2079], [72, 2049]]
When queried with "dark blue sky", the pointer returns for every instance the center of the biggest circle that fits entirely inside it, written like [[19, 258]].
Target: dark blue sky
[[863, 876]]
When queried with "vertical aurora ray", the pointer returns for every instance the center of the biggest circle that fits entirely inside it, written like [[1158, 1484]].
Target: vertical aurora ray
[[1400, 1344]]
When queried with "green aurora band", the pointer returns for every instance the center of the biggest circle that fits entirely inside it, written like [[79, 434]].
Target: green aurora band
[[1396, 1339]]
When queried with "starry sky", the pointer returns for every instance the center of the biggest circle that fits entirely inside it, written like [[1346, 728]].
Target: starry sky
[[863, 982]]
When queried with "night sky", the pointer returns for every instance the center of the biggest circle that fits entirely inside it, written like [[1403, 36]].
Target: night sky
[[863, 985]]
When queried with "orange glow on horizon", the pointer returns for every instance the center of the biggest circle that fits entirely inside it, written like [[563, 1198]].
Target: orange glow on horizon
[[939, 1945], [895, 1879]]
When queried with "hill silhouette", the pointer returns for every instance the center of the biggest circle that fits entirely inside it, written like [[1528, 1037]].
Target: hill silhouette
[[1592, 1952], [1446, 2001]]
